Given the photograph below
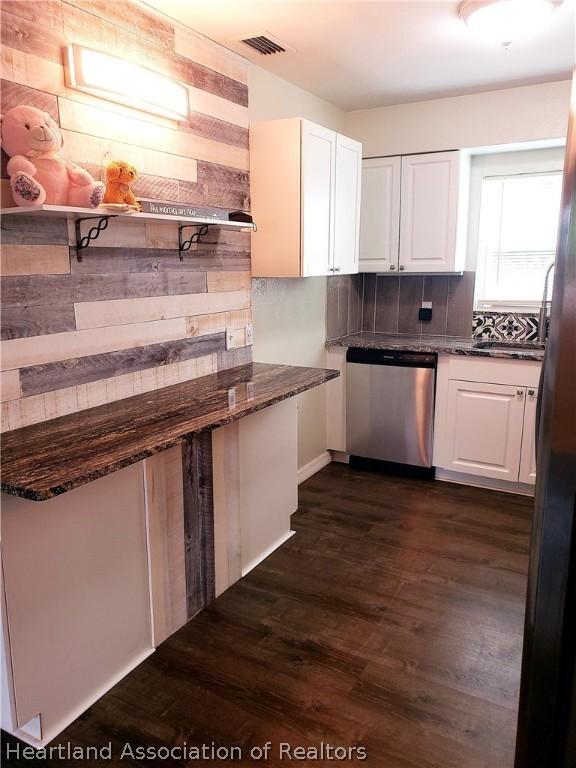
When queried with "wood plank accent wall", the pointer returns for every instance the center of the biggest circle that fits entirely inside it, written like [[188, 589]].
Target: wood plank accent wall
[[130, 317]]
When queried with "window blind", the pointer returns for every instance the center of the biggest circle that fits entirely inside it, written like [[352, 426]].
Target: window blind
[[519, 218]]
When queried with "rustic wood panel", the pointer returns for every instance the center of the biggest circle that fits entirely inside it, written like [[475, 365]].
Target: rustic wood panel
[[91, 341], [87, 119], [211, 194], [211, 104], [32, 410], [219, 130], [43, 38], [33, 290], [133, 273], [230, 358], [34, 260], [99, 33], [19, 322], [32, 71], [198, 521], [33, 230], [13, 95], [164, 505], [220, 186], [108, 260], [229, 281], [198, 48], [6, 199], [10, 385], [82, 148], [28, 69], [47, 13], [219, 321], [134, 18], [99, 314], [16, 31], [67, 373], [236, 338], [156, 188]]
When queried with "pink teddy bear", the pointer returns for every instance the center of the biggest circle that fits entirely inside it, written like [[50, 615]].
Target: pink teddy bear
[[37, 173]]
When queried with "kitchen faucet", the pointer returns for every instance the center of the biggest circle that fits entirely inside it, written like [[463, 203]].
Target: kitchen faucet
[[543, 317]]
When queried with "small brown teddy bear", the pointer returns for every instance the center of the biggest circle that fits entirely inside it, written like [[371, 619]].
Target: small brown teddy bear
[[119, 176]]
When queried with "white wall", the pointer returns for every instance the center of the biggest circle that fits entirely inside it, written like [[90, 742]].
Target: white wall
[[289, 315], [512, 115], [272, 98]]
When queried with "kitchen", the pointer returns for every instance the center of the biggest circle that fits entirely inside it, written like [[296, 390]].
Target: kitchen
[[267, 426]]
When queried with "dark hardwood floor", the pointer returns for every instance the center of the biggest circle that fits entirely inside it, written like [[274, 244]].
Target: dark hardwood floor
[[392, 620]]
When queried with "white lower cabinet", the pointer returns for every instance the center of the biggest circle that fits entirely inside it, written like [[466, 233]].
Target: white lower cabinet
[[528, 450], [485, 424], [485, 419]]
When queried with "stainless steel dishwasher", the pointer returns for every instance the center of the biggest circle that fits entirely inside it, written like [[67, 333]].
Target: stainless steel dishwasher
[[390, 406]]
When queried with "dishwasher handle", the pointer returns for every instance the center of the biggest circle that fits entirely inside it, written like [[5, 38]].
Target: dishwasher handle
[[390, 357]]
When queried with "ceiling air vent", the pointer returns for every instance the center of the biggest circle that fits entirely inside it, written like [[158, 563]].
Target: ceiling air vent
[[265, 44]]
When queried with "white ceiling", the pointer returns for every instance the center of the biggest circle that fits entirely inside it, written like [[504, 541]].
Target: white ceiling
[[362, 53]]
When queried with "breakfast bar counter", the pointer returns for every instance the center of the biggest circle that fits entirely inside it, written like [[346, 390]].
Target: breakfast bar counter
[[45, 460]]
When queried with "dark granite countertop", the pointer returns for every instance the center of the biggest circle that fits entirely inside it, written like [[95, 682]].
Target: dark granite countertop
[[44, 460], [451, 345]]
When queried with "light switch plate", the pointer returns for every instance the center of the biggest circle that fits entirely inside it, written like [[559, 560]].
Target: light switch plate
[[249, 334]]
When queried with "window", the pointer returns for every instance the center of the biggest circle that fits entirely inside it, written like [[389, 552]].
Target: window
[[519, 217]]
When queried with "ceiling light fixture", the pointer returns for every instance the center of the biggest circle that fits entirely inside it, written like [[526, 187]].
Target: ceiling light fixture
[[503, 21]]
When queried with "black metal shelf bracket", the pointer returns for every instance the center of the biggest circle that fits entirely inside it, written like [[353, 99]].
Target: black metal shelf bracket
[[83, 241], [185, 245]]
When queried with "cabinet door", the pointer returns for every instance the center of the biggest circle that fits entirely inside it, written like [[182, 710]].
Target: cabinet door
[[380, 214], [429, 212], [484, 430], [528, 452], [318, 184], [347, 205]]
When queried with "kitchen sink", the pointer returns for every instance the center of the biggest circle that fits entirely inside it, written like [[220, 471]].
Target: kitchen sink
[[494, 344]]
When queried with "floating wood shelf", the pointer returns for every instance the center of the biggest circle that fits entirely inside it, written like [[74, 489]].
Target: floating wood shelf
[[102, 217]]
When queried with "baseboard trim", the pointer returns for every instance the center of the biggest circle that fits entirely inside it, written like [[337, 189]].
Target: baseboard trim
[[314, 466], [341, 457], [267, 552], [462, 478]]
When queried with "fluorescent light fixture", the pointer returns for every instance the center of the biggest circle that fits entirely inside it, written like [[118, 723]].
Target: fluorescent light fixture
[[109, 77], [502, 21]]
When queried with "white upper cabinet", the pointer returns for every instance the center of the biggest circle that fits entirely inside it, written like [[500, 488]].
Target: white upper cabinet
[[429, 212], [380, 219], [347, 205], [305, 189], [414, 213], [318, 201]]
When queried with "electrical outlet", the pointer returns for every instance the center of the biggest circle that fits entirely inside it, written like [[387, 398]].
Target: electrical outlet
[[425, 313], [249, 334]]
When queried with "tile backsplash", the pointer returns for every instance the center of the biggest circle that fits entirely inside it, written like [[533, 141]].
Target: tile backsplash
[[510, 326], [344, 305], [384, 304], [389, 304]]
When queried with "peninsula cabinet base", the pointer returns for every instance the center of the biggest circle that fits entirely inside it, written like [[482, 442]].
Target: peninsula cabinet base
[[77, 601], [96, 578]]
